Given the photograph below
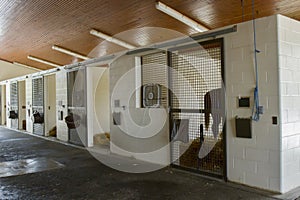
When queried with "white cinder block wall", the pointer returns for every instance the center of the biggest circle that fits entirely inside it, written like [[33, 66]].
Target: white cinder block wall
[[50, 102], [289, 71], [152, 149], [254, 162], [61, 105], [29, 124], [3, 104], [22, 102]]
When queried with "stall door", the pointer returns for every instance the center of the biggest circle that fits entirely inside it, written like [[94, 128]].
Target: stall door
[[14, 105], [38, 105], [196, 104], [77, 125]]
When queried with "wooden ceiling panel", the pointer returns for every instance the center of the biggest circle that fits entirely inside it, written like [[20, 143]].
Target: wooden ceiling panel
[[31, 27]]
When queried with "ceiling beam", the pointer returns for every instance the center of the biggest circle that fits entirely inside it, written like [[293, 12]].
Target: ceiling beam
[[43, 61], [69, 52], [112, 39], [180, 17]]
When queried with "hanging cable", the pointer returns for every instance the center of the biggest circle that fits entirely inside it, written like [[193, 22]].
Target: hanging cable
[[256, 107]]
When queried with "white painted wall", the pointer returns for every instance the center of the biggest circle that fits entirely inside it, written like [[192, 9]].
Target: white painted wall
[[9, 70], [289, 73], [61, 105], [29, 124], [50, 102], [154, 146], [98, 108], [22, 103], [254, 162], [3, 104]]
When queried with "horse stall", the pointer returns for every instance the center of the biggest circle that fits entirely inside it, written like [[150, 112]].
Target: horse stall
[[3, 104], [76, 119], [38, 110], [253, 143]]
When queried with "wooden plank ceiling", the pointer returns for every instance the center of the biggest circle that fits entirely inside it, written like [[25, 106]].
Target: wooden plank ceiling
[[31, 27]]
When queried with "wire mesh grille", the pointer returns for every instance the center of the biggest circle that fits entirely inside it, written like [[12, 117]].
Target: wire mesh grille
[[38, 129], [14, 95], [38, 103], [37, 92], [76, 81], [154, 71], [195, 72], [71, 81]]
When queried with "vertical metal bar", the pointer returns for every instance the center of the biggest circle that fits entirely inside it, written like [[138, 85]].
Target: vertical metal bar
[[85, 106], [224, 126]]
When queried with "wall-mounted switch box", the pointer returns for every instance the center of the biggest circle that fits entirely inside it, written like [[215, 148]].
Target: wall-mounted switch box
[[244, 102], [261, 110], [274, 120], [243, 127]]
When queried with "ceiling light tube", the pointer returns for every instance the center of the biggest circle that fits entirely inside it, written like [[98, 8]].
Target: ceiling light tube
[[177, 15], [71, 53], [111, 39], [26, 66], [43, 61]]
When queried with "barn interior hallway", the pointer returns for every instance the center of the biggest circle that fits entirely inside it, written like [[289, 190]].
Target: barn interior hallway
[[59, 171]]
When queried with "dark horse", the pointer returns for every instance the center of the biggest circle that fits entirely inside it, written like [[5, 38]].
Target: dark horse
[[214, 104]]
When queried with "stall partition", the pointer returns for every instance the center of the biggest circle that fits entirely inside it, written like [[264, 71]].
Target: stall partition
[[3, 104]]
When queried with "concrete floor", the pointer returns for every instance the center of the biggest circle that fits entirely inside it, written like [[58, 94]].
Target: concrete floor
[[79, 176]]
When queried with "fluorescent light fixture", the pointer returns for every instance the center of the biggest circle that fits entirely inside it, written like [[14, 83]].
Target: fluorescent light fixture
[[26, 66], [177, 15], [71, 53], [43, 61], [111, 39]]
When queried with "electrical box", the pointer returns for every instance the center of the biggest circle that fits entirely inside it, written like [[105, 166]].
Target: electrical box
[[244, 102], [274, 120], [243, 127]]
